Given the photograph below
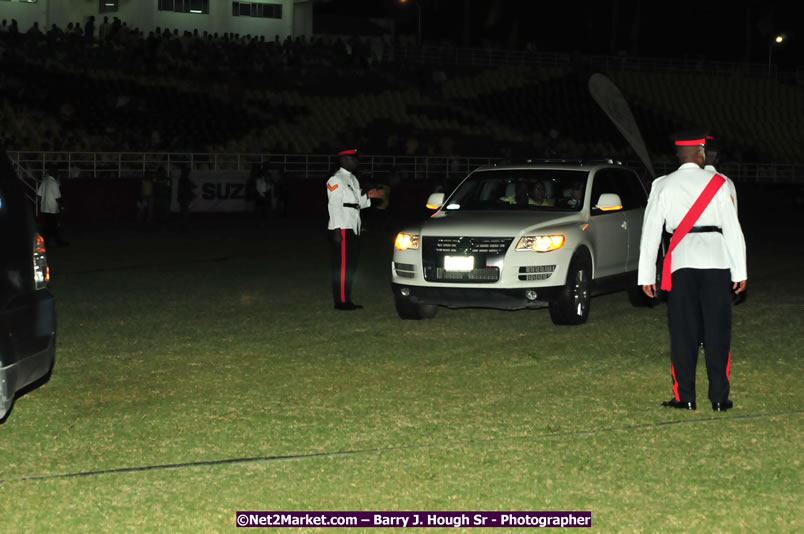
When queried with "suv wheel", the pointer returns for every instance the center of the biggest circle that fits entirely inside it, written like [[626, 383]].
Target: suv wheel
[[572, 304], [410, 310]]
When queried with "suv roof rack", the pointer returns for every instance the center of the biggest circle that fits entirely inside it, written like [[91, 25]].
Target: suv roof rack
[[573, 161], [609, 161], [516, 161]]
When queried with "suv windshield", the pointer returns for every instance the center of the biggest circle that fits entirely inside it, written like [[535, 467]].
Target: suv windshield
[[521, 189]]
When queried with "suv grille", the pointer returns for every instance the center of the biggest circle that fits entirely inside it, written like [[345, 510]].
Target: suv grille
[[536, 272], [486, 274], [405, 270], [434, 249], [467, 245]]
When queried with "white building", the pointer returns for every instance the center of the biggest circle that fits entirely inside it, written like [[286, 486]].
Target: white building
[[260, 17]]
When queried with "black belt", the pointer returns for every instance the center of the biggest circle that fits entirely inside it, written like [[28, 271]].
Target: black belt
[[705, 229], [355, 206]]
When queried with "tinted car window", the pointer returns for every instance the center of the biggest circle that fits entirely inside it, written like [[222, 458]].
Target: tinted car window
[[633, 194], [623, 183], [536, 189]]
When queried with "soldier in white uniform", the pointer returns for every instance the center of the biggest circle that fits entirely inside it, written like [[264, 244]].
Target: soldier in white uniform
[[707, 265], [345, 200], [712, 158]]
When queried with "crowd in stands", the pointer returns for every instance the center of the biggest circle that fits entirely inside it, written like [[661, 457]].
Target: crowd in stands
[[105, 86], [165, 65]]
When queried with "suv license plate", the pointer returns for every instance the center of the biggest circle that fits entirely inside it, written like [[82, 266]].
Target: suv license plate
[[459, 263]]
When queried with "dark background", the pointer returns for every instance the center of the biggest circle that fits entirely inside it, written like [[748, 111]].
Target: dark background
[[717, 30]]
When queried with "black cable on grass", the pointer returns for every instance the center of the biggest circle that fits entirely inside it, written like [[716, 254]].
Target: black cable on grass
[[255, 459]]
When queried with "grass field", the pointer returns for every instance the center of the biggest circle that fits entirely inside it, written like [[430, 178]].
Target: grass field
[[183, 349]]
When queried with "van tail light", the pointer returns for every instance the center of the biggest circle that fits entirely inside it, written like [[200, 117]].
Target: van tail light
[[41, 271]]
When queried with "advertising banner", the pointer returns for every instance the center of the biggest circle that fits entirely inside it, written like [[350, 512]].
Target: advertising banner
[[214, 192]]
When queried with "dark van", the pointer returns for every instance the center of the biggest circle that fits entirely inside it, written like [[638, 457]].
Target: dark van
[[27, 310]]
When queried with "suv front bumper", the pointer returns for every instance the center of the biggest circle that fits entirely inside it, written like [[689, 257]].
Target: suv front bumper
[[459, 297]]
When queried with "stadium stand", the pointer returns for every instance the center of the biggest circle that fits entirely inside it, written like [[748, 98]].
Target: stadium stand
[[162, 91]]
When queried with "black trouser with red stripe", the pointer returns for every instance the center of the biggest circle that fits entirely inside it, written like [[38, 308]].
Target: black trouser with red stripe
[[345, 252], [699, 309]]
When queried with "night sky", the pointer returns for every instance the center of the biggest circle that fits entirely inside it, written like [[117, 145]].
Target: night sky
[[716, 30]]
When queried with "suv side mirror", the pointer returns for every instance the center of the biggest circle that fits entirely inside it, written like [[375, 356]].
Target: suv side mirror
[[435, 201], [609, 202]]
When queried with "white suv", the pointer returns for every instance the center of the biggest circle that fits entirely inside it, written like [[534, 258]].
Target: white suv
[[524, 236]]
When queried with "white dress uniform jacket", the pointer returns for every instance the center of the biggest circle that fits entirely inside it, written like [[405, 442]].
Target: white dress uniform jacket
[[670, 199], [345, 201], [732, 189]]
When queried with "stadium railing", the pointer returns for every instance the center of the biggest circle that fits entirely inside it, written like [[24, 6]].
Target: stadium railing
[[30, 182], [761, 173], [494, 57], [109, 165], [139, 164]]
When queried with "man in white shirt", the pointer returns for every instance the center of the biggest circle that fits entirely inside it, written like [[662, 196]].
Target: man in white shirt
[[263, 198], [50, 206], [707, 262], [344, 202]]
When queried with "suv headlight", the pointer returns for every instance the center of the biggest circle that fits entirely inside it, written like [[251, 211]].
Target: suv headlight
[[540, 243], [406, 241]]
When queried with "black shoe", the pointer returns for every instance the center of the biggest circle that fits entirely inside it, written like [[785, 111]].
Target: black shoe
[[722, 406], [347, 306], [673, 403]]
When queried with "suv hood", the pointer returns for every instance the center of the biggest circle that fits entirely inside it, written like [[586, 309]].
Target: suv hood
[[496, 223]]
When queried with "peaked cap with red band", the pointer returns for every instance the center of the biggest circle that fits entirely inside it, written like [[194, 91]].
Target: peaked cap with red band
[[348, 152], [690, 138]]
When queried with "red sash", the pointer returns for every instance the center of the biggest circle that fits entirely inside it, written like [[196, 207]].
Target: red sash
[[687, 223]]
